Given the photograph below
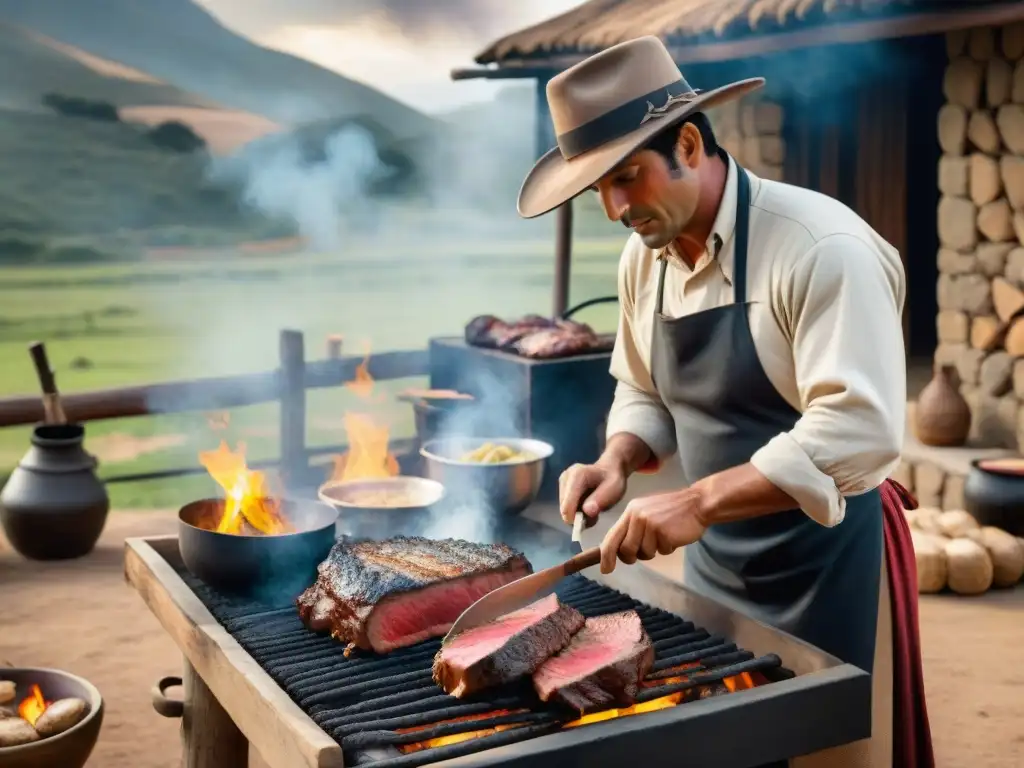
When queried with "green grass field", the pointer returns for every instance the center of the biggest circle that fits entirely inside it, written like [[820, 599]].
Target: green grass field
[[115, 325]]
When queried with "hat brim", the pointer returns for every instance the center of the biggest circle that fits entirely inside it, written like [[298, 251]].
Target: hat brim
[[553, 180]]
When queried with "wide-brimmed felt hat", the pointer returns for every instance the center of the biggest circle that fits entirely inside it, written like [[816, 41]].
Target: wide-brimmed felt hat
[[604, 109]]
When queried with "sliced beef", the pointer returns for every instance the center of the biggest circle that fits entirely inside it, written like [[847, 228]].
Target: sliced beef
[[382, 595], [506, 649], [602, 667]]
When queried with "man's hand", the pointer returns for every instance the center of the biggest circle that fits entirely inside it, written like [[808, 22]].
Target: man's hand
[[653, 525], [590, 487]]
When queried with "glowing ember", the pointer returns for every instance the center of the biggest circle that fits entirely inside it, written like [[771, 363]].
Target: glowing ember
[[740, 682], [33, 706], [368, 457], [456, 738], [247, 496]]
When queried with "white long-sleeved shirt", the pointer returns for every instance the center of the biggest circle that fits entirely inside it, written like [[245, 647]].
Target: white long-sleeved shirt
[[828, 295]]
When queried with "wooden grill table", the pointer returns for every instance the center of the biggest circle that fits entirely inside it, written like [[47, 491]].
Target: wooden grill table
[[231, 701]]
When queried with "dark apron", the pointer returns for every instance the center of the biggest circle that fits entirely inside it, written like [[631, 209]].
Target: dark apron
[[786, 570]]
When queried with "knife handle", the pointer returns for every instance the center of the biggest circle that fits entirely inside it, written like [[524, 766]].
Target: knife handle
[[586, 559]]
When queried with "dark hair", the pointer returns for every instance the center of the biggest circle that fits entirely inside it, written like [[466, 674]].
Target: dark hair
[[664, 143]]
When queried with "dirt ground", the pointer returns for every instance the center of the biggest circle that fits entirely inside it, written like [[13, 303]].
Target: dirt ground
[[82, 617]]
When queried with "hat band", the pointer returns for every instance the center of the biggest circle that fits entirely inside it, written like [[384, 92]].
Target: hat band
[[625, 118]]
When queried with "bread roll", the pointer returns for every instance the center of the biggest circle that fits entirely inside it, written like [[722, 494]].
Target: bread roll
[[1007, 555], [956, 522], [969, 569], [930, 556]]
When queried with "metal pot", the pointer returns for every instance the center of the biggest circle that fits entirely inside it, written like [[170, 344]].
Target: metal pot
[[415, 498], [994, 494], [274, 568], [506, 488], [70, 749], [53, 506]]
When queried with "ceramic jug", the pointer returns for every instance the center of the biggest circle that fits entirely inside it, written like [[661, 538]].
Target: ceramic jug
[[53, 506], [942, 415]]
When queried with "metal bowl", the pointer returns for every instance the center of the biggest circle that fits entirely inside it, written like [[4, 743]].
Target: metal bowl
[[70, 749], [506, 488], [273, 568], [404, 516]]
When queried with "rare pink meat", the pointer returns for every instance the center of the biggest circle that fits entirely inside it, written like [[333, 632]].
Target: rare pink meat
[[511, 647], [602, 667], [383, 595]]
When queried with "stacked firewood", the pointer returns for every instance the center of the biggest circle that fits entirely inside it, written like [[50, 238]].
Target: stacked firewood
[[954, 552]]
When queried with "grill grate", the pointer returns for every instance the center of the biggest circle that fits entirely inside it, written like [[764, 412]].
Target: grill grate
[[364, 701]]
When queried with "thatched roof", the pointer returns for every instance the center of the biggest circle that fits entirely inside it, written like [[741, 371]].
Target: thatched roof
[[597, 24]]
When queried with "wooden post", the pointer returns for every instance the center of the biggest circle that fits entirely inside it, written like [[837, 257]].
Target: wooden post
[[293, 407], [209, 737], [563, 258]]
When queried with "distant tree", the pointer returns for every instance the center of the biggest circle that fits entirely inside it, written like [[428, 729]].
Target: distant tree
[[176, 136], [73, 106]]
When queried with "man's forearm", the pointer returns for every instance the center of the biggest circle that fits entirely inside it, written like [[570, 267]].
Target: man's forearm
[[739, 493], [627, 452]]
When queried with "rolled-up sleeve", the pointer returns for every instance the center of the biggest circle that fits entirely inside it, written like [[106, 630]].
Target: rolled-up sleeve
[[637, 407], [842, 304]]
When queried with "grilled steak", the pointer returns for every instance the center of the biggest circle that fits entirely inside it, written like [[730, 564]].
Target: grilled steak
[[602, 666], [382, 595], [508, 648]]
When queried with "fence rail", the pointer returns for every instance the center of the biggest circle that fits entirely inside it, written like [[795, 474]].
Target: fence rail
[[212, 393], [287, 385]]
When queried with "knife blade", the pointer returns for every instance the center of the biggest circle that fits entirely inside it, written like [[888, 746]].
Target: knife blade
[[520, 593], [577, 525]]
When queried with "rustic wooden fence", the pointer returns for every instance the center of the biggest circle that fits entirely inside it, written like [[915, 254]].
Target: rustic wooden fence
[[287, 385]]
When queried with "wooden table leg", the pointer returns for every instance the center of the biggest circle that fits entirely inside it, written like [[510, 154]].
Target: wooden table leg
[[209, 737]]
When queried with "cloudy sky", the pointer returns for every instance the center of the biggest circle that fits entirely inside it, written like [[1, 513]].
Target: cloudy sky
[[406, 48]]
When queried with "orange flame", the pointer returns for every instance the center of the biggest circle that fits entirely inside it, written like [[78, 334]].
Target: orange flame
[[740, 682], [368, 456], [247, 497], [33, 706]]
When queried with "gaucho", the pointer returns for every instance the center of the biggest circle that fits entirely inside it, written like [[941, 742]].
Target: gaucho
[[760, 339]]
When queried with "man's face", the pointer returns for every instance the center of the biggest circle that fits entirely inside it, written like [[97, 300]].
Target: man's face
[[649, 195]]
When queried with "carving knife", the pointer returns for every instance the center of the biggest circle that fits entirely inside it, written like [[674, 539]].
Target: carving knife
[[520, 593]]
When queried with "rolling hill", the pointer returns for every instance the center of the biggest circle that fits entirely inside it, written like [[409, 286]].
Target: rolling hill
[[33, 65], [178, 42]]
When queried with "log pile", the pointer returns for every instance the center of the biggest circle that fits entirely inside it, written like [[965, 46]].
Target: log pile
[[981, 229], [955, 553]]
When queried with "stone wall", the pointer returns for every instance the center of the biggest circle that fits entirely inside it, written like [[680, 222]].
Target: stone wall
[[981, 228], [751, 131]]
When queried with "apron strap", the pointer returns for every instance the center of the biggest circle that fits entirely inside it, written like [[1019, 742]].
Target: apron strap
[[661, 285], [739, 261], [739, 285]]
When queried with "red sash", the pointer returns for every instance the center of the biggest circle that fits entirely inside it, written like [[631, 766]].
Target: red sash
[[912, 739]]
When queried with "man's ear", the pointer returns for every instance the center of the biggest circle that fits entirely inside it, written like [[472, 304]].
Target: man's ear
[[689, 146]]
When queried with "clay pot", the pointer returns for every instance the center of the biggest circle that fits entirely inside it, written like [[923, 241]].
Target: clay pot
[[942, 415], [53, 506], [994, 493]]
